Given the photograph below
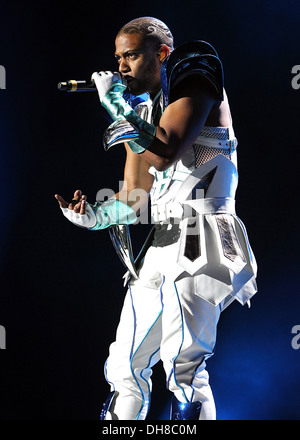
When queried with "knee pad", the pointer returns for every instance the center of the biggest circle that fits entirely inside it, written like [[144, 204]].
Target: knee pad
[[185, 411]]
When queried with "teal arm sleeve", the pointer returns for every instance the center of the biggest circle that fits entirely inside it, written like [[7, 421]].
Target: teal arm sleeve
[[112, 212], [114, 103], [119, 109]]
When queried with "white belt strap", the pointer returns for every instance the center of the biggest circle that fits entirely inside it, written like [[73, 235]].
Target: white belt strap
[[225, 144], [217, 143]]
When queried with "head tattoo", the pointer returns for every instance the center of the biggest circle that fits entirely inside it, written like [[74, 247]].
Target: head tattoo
[[150, 28]]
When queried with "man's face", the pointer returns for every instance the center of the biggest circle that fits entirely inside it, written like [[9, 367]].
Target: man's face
[[139, 63]]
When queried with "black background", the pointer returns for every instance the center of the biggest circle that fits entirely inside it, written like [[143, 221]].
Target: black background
[[61, 286]]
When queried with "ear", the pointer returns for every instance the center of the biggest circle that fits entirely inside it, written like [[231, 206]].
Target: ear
[[164, 52]]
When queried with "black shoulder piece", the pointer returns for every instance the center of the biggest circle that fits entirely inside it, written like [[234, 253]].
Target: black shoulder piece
[[189, 58]]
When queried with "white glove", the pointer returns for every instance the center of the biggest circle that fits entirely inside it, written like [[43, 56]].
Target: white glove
[[87, 220], [105, 79]]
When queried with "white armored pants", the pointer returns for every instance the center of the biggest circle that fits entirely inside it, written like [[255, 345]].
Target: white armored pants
[[167, 320]]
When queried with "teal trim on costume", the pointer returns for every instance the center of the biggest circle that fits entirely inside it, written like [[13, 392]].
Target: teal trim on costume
[[146, 131]]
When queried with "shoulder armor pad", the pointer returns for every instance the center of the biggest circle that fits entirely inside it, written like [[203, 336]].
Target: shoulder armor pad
[[195, 57]]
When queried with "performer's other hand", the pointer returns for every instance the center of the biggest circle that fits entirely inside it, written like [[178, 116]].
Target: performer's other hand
[[77, 204]]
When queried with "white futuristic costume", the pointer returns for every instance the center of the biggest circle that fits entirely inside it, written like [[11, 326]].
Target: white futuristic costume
[[198, 261]]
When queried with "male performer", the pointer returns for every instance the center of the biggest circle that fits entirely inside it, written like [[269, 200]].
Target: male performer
[[182, 150]]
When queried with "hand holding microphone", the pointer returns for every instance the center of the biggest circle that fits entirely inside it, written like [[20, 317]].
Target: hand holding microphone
[[105, 79], [111, 86]]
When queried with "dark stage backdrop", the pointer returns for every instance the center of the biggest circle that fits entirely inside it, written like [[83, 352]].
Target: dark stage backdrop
[[61, 286]]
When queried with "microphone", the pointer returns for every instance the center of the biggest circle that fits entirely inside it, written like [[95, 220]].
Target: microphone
[[77, 86], [90, 86]]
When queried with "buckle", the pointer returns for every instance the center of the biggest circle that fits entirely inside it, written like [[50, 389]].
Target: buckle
[[232, 145]]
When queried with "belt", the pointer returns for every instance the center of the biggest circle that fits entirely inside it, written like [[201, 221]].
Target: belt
[[217, 205], [229, 144]]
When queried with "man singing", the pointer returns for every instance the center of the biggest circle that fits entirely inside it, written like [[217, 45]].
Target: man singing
[[181, 149]]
